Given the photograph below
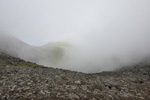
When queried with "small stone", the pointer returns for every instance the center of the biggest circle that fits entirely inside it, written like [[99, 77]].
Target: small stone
[[46, 91], [93, 99], [96, 91], [13, 88], [4, 98], [29, 83], [141, 98], [78, 82], [73, 87], [111, 83], [42, 92], [73, 96], [29, 94]]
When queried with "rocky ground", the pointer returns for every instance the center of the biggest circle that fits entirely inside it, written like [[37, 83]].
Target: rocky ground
[[20, 80]]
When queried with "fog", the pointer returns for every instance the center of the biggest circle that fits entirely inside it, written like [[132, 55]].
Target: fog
[[102, 34]]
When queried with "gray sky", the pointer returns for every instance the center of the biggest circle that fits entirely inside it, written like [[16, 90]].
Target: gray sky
[[102, 28], [40, 21]]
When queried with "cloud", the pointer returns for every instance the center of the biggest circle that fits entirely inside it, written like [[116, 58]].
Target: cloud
[[105, 34]]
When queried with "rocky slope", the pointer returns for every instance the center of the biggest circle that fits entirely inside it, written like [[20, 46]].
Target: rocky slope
[[20, 80]]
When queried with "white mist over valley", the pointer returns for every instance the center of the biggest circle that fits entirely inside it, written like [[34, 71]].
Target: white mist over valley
[[80, 35]]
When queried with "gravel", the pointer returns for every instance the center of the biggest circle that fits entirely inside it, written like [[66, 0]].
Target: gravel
[[21, 80]]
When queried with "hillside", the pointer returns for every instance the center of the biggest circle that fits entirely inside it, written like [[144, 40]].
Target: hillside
[[44, 55], [21, 80]]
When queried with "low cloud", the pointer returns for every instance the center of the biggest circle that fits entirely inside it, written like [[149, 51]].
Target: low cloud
[[103, 35]]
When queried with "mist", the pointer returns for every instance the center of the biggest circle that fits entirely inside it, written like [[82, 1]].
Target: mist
[[95, 35]]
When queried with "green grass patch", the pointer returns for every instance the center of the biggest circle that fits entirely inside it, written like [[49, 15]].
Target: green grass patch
[[24, 64]]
